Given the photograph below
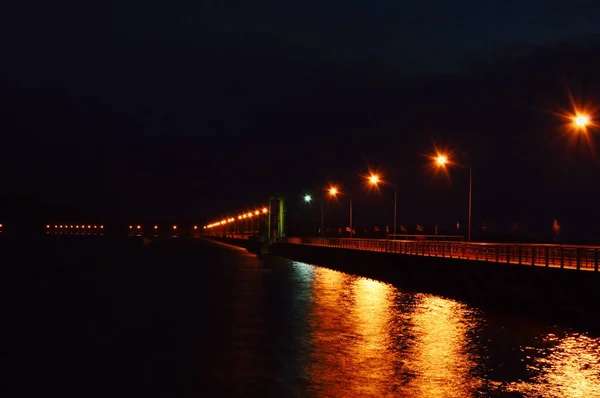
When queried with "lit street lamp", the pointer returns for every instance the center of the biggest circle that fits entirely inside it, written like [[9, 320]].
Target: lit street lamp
[[581, 120], [442, 160], [308, 199], [375, 180], [333, 191]]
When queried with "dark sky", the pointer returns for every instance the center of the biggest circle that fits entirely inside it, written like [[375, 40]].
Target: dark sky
[[189, 109]]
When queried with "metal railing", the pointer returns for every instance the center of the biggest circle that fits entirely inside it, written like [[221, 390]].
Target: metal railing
[[229, 236], [552, 256]]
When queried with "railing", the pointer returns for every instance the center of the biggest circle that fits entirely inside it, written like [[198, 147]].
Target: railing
[[552, 256], [426, 237], [230, 236]]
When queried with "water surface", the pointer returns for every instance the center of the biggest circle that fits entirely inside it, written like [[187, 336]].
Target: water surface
[[186, 318]]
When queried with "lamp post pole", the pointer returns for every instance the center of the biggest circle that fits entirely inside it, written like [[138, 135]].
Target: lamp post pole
[[350, 196], [470, 198]]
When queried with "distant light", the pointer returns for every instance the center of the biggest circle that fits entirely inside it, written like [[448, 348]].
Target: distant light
[[333, 191], [139, 227], [582, 120], [95, 226], [195, 227], [441, 160], [71, 226], [61, 226], [307, 198], [204, 227], [55, 226], [250, 214], [264, 210], [77, 226], [257, 212], [47, 226], [101, 226], [156, 227], [374, 179], [131, 227], [174, 226], [89, 226]]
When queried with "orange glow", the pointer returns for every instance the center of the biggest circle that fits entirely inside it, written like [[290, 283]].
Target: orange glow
[[71, 226], [374, 179], [441, 160], [139, 227], [55, 226], [249, 214], [101, 226], [174, 227], [77, 226], [0, 225], [131, 227], [95, 226], [333, 191], [89, 226], [61, 226], [239, 217], [264, 210], [244, 216], [440, 339], [47, 226], [195, 227], [581, 120], [568, 367], [577, 121], [156, 227], [257, 212]]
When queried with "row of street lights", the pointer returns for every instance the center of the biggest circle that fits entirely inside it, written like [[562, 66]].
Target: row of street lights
[[243, 216], [580, 122], [440, 160]]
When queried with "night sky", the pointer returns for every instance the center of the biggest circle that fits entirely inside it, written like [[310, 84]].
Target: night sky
[[147, 110]]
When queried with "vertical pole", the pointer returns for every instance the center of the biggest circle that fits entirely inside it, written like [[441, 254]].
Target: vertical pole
[[322, 232], [395, 208], [470, 196], [281, 224], [350, 215], [269, 222]]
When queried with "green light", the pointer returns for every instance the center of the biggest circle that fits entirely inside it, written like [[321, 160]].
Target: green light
[[307, 198]]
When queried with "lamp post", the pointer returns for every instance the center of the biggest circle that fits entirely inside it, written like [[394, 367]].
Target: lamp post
[[581, 121], [308, 199], [334, 191], [375, 180], [442, 160]]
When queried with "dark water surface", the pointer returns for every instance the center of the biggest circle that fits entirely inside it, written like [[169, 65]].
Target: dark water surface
[[91, 316]]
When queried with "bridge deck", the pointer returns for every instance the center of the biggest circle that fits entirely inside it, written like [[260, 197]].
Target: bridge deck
[[583, 258]]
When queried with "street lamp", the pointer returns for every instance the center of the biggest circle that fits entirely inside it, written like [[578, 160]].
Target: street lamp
[[375, 180], [581, 120], [334, 191], [308, 199], [442, 161]]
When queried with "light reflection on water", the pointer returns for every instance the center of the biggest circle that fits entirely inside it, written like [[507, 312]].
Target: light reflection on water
[[367, 338], [567, 366]]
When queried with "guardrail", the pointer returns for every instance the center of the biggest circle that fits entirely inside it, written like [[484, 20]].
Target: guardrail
[[553, 256], [229, 236], [426, 237]]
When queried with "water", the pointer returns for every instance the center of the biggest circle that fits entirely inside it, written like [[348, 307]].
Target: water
[[102, 317]]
